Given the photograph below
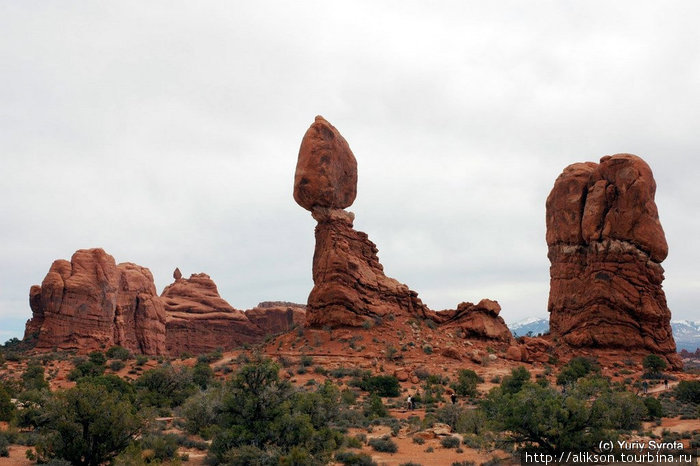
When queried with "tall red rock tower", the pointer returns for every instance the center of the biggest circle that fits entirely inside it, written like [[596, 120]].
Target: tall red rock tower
[[350, 287], [606, 246]]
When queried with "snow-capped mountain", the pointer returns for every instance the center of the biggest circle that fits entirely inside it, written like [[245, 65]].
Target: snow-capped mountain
[[536, 325], [685, 332]]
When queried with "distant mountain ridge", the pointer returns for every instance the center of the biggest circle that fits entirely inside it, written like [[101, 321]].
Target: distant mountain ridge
[[685, 332]]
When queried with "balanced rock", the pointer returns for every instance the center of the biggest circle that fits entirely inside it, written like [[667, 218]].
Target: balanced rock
[[326, 173], [199, 320], [606, 245], [91, 303]]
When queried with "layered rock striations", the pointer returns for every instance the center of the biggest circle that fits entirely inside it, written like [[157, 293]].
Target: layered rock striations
[[606, 246], [350, 287], [199, 320], [91, 303]]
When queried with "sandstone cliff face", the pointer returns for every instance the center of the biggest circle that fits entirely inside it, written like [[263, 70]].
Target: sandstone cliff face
[[605, 247], [90, 303], [277, 317], [199, 320]]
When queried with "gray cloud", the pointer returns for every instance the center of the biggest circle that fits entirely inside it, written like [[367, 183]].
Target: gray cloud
[[167, 133]]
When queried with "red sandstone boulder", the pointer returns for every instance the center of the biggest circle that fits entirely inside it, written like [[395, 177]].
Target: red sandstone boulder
[[326, 173], [605, 246], [90, 303], [277, 317], [476, 321], [199, 320]]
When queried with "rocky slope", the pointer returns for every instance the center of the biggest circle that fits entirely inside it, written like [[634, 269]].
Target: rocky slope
[[606, 246]]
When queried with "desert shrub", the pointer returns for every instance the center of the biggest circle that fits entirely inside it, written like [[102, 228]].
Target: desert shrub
[[86, 425], [418, 440], [427, 349], [116, 365], [202, 375], [306, 360], [383, 444], [98, 358], [112, 383], [7, 408], [619, 410], [164, 386], [463, 420], [141, 359], [348, 397], [449, 441], [514, 382], [118, 352], [654, 407], [382, 385], [688, 390], [350, 458], [33, 377], [575, 369], [374, 408], [466, 383], [463, 463], [86, 368], [4, 445], [160, 447], [654, 364]]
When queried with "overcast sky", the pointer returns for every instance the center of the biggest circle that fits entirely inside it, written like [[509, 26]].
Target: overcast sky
[[167, 133]]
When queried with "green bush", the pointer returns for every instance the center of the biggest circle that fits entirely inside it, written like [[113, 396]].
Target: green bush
[[374, 407], [688, 390], [654, 364], [86, 425], [514, 382], [116, 365], [33, 377], [117, 352], [382, 385], [164, 447], [165, 386], [466, 383], [575, 369], [355, 459], [383, 444], [202, 375], [7, 408], [450, 442], [141, 359], [654, 407], [4, 445]]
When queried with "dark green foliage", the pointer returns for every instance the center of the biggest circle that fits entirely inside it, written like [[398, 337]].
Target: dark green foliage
[[466, 383], [374, 407], [383, 444], [117, 365], [86, 425], [210, 357], [202, 375], [117, 352], [418, 440], [306, 360], [463, 420], [689, 391], [450, 441], [86, 368], [33, 377], [141, 359], [7, 409], [654, 364], [4, 444], [575, 369], [264, 417], [112, 383], [514, 382], [654, 408], [165, 386], [349, 458], [382, 385], [97, 358], [164, 447]]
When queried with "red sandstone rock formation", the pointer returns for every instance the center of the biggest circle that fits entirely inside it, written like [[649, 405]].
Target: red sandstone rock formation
[[90, 303], [277, 317], [199, 320], [605, 246], [350, 287], [476, 321]]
